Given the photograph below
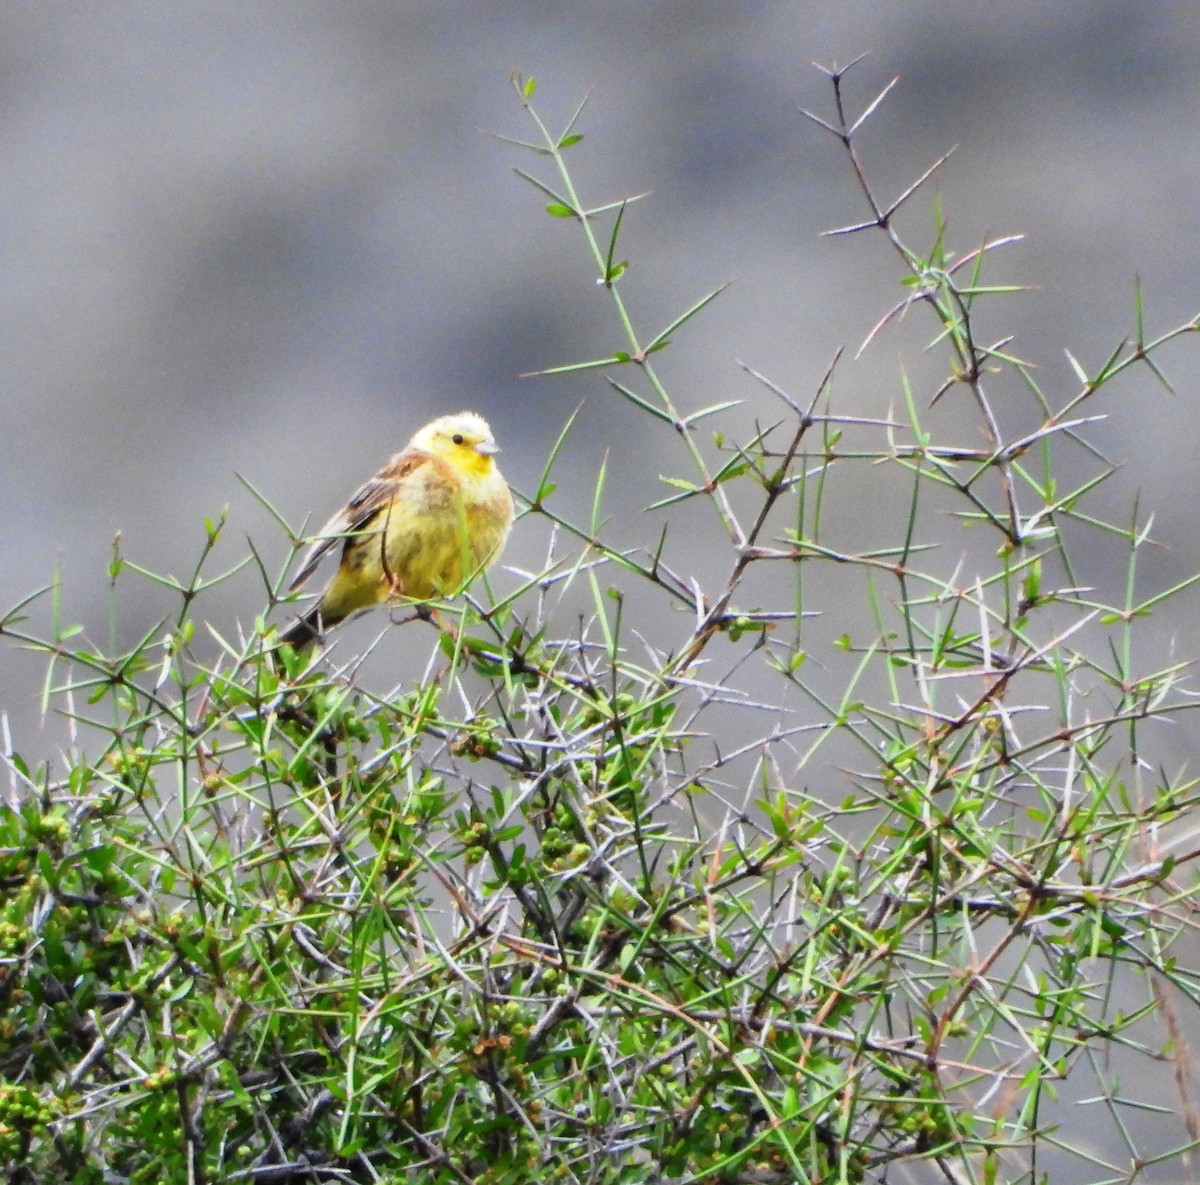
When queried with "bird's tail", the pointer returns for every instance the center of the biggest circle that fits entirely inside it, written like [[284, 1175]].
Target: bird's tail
[[306, 630]]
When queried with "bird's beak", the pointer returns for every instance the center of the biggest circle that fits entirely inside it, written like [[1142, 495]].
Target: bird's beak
[[489, 448]]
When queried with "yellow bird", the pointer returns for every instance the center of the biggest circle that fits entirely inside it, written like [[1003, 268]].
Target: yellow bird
[[434, 517]]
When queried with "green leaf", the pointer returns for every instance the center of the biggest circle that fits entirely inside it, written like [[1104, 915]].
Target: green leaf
[[678, 483], [559, 210], [594, 364], [638, 401], [661, 339]]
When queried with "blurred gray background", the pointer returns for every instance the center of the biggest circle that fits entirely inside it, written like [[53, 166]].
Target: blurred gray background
[[272, 239]]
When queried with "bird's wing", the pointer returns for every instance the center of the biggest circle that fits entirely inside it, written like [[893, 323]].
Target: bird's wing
[[353, 518]]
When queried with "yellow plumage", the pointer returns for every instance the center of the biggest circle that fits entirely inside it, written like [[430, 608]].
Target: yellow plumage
[[436, 515]]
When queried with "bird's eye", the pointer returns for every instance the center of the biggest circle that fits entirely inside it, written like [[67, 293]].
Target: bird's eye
[[458, 438]]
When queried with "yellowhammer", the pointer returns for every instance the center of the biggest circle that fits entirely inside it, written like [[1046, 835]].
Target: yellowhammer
[[436, 515]]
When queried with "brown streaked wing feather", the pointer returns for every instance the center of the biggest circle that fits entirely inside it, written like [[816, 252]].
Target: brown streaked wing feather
[[356, 515]]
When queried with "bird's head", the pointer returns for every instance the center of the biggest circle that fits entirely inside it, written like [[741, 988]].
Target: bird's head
[[464, 439]]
